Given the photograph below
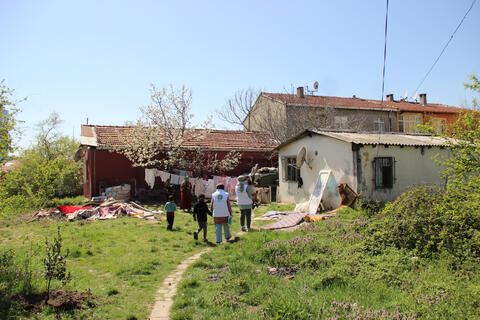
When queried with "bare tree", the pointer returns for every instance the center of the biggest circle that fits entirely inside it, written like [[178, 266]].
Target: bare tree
[[237, 107]]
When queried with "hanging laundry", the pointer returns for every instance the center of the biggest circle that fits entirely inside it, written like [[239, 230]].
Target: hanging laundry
[[230, 186], [164, 176], [174, 179], [180, 179], [200, 187], [216, 180], [210, 188], [150, 177]]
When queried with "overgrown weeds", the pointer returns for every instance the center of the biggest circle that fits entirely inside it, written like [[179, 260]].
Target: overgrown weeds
[[330, 270]]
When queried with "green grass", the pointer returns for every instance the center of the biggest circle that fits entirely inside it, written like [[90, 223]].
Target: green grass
[[327, 273], [122, 261], [324, 270]]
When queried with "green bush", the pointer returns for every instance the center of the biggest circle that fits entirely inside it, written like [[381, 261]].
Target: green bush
[[427, 220], [14, 278], [43, 178], [37, 182]]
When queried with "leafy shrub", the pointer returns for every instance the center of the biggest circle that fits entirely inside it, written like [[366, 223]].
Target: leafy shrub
[[45, 171], [370, 208], [55, 262], [410, 223], [14, 278], [427, 220], [42, 178]]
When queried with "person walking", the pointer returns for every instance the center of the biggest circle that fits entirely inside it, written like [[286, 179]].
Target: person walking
[[170, 208], [245, 194], [221, 211], [186, 195], [200, 211]]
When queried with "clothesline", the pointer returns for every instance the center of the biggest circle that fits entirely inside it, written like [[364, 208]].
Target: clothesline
[[200, 186]]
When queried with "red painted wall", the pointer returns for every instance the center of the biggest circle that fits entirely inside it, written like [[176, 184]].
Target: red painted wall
[[105, 169], [449, 117]]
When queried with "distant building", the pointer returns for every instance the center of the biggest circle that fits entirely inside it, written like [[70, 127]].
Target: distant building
[[292, 113]]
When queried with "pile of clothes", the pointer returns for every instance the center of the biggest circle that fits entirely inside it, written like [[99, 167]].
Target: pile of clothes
[[108, 209]]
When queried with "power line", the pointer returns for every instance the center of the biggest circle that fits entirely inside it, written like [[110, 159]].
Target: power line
[[385, 51], [446, 45]]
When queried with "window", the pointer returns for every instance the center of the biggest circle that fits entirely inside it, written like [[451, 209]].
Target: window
[[292, 172], [384, 172], [439, 125], [409, 122], [340, 122], [379, 125]]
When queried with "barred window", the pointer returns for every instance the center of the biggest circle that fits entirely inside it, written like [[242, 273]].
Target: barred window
[[384, 172], [292, 171]]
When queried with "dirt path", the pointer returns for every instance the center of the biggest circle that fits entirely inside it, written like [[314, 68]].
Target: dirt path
[[168, 289]]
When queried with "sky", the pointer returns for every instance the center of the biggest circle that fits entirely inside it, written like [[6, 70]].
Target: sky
[[96, 60]]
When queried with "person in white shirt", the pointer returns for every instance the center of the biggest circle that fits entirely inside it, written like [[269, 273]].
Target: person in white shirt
[[245, 194], [221, 211]]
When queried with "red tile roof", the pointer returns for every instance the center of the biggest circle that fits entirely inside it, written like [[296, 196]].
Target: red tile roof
[[358, 103], [221, 140]]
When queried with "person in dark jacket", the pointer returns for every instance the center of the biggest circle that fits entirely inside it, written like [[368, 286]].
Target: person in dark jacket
[[200, 211]]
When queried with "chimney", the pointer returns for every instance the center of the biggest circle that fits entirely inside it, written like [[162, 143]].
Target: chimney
[[300, 92], [390, 97], [423, 98]]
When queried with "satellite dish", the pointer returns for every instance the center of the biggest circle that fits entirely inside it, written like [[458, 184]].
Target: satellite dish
[[315, 85], [301, 157], [78, 155], [415, 96], [405, 96]]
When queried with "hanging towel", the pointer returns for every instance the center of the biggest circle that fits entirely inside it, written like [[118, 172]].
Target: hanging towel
[[164, 176], [180, 179], [210, 188], [174, 179], [150, 177], [200, 185]]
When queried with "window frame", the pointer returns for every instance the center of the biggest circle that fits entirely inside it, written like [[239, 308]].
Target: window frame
[[381, 123], [291, 172], [439, 125], [378, 172], [410, 121], [340, 122]]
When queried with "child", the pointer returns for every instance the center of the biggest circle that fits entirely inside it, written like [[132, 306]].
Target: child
[[170, 208], [200, 211]]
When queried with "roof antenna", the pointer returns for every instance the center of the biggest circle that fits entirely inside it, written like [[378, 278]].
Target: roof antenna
[[315, 88], [415, 97]]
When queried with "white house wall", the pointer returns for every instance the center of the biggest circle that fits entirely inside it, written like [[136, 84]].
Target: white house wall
[[412, 167], [331, 154]]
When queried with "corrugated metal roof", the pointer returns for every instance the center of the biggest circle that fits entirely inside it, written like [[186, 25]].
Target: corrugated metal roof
[[375, 138], [394, 139]]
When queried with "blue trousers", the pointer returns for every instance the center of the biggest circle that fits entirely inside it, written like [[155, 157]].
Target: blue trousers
[[218, 231]]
